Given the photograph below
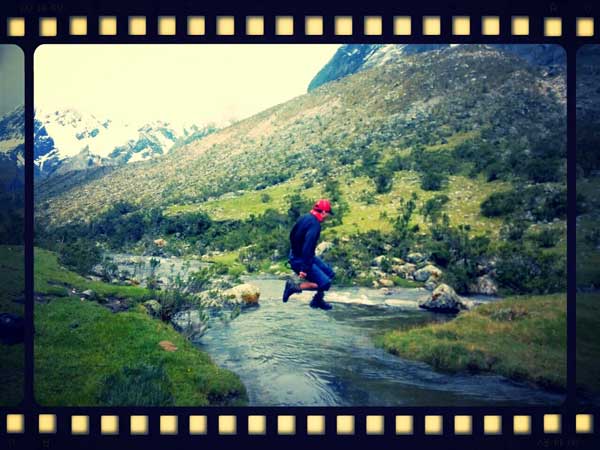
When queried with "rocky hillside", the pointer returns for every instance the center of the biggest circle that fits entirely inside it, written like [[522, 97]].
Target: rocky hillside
[[352, 58], [12, 151], [433, 101]]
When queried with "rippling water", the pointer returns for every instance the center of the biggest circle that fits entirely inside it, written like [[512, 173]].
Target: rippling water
[[293, 355]]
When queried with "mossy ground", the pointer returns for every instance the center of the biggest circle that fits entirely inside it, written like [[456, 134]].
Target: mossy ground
[[522, 338], [80, 343], [12, 357]]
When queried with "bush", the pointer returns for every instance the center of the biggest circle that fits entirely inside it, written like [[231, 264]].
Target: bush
[[432, 208], [142, 385], [80, 256], [265, 198], [524, 271], [433, 181], [500, 204], [383, 182], [547, 238]]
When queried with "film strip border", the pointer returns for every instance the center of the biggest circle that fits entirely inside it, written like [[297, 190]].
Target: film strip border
[[49, 26], [253, 423], [112, 28]]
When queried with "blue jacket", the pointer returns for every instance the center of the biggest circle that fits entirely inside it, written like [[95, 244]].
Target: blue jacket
[[303, 240]]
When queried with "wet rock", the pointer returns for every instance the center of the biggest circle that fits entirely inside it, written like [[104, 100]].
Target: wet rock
[[386, 291], [444, 299]]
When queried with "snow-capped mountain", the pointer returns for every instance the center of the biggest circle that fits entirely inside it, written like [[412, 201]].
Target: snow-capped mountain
[[12, 150], [67, 140]]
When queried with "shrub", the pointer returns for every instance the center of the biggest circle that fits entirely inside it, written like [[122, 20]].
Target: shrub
[[81, 255], [522, 271], [500, 204], [547, 238], [433, 181]]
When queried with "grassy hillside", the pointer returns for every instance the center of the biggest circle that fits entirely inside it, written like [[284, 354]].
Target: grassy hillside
[[115, 358], [436, 100]]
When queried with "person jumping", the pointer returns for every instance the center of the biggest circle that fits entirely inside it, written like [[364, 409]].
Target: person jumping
[[316, 273]]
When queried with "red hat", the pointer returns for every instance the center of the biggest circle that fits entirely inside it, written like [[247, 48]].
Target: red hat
[[323, 205]]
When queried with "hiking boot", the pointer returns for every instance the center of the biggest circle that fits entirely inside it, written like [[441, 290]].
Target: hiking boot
[[320, 304], [290, 288]]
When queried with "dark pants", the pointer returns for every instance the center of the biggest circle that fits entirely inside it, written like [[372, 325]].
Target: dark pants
[[320, 273]]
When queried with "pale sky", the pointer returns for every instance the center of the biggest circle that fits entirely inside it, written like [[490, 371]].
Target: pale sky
[[181, 84], [12, 83]]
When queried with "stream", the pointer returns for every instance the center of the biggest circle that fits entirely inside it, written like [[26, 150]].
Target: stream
[[292, 355], [288, 354]]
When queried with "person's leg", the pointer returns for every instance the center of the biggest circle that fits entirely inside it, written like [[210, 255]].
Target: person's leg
[[324, 283], [325, 268], [292, 288]]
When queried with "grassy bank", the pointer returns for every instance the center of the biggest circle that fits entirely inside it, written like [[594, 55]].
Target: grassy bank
[[85, 355], [522, 338], [12, 359]]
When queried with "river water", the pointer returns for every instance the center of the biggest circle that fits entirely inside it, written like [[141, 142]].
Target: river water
[[292, 355]]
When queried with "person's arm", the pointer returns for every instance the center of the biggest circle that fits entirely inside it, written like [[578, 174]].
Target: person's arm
[[308, 249]]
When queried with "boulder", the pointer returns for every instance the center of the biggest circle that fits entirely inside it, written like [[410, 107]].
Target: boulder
[[246, 294], [323, 248], [378, 260], [415, 257], [88, 294], [484, 285], [160, 242], [427, 272], [430, 285], [404, 270], [443, 299], [386, 282], [191, 322], [153, 307]]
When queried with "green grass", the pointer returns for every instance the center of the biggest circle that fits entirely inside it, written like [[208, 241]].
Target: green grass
[[79, 345], [532, 346], [243, 206], [465, 194], [50, 278], [588, 234], [587, 345], [12, 357]]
